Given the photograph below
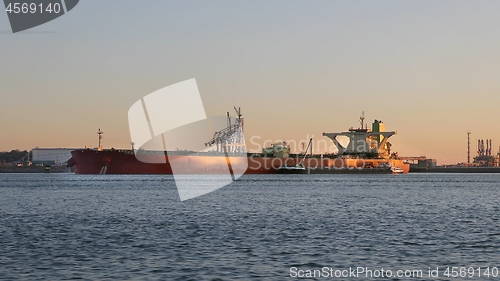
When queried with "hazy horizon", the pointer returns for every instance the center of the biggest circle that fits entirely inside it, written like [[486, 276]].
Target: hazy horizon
[[428, 69]]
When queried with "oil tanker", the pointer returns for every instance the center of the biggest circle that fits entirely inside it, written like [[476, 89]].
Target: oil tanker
[[367, 151]]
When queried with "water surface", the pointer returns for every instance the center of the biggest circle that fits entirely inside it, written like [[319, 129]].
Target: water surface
[[109, 227]]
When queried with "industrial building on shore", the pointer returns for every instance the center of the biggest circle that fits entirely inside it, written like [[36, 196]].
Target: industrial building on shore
[[51, 156]]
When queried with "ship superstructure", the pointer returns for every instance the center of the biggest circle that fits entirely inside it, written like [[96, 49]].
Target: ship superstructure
[[363, 142]]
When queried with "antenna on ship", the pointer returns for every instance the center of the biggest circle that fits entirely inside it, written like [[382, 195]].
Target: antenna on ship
[[238, 111], [240, 121], [468, 147], [362, 119], [99, 133]]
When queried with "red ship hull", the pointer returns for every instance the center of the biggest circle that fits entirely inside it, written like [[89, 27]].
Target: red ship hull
[[125, 162]]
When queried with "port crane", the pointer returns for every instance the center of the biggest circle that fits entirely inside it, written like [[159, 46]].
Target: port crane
[[21, 162]]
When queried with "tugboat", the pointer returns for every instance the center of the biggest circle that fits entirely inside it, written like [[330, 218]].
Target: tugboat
[[296, 169]]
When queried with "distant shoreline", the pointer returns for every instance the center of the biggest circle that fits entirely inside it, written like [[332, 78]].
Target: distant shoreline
[[34, 169], [64, 169], [459, 170]]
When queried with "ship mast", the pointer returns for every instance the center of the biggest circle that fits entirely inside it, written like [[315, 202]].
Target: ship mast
[[99, 133]]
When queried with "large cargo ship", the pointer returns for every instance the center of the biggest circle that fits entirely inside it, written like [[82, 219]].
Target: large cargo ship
[[366, 151]]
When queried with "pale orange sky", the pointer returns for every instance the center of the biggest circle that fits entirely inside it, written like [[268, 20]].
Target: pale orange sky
[[428, 69]]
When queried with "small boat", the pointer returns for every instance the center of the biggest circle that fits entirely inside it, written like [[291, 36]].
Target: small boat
[[397, 170], [296, 169]]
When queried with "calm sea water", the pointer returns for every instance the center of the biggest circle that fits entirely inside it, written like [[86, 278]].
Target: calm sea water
[[65, 226]]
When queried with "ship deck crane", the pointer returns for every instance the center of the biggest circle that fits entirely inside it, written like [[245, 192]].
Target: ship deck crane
[[305, 154], [229, 139]]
